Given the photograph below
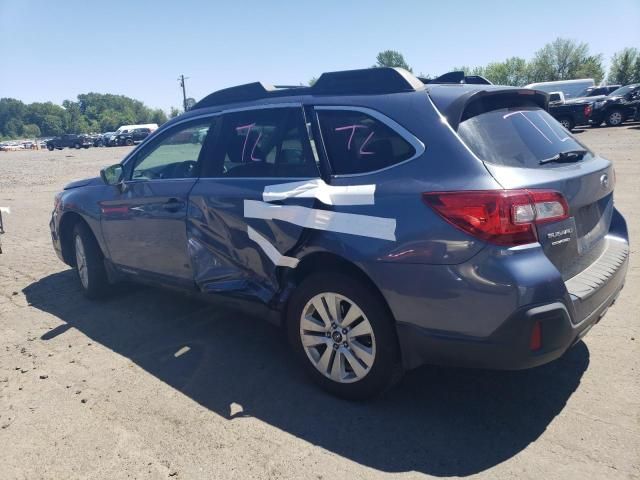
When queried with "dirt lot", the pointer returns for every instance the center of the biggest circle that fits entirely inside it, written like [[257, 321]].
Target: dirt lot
[[104, 390]]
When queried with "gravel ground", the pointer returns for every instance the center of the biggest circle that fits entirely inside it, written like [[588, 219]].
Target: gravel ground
[[107, 390]]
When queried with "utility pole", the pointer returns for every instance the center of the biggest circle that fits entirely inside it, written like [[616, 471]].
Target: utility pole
[[181, 79]]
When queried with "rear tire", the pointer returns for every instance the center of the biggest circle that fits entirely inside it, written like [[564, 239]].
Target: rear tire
[[76, 146], [567, 123], [355, 356], [128, 142], [89, 263], [615, 118]]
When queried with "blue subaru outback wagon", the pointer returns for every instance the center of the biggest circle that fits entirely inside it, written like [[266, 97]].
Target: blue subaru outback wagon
[[384, 221]]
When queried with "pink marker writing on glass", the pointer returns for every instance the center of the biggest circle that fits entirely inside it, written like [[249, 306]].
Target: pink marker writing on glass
[[353, 131], [248, 127]]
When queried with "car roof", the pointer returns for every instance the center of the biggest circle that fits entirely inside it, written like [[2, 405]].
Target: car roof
[[366, 86]]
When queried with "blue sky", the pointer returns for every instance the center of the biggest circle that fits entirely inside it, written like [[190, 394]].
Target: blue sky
[[53, 50]]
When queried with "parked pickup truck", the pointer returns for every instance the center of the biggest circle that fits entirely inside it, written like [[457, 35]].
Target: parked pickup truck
[[69, 140], [572, 113], [617, 107], [130, 137]]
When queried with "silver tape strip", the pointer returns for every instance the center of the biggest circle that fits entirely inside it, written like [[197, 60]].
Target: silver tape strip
[[5, 210], [271, 251], [351, 223], [327, 194]]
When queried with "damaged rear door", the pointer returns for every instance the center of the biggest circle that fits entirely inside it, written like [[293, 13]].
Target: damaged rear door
[[244, 212]]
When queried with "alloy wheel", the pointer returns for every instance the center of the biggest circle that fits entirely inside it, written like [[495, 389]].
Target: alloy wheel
[[337, 337], [615, 118]]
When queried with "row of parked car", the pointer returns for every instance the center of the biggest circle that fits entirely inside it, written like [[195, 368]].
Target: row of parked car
[[577, 103], [125, 135], [12, 146]]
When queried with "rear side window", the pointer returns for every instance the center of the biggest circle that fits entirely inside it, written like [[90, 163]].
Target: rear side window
[[517, 137], [358, 143], [265, 143]]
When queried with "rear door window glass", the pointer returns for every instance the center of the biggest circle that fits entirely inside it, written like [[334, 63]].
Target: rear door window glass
[[517, 137], [358, 143], [265, 143]]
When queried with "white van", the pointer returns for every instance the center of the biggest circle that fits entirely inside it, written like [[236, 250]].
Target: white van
[[570, 88], [127, 128]]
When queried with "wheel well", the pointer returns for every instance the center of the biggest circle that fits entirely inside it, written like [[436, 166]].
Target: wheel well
[[328, 262], [67, 223]]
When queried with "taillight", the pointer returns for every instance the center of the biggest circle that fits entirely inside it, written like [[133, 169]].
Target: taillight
[[587, 110], [502, 217]]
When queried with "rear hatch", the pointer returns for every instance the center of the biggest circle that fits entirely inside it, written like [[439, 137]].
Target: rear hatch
[[524, 147]]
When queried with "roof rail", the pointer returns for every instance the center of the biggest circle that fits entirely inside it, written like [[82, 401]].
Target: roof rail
[[368, 81], [459, 77], [240, 93]]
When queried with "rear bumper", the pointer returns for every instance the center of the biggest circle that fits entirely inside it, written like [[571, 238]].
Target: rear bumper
[[563, 323]]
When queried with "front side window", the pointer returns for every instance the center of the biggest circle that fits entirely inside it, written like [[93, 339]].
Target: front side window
[[517, 137], [265, 143], [175, 155], [358, 143]]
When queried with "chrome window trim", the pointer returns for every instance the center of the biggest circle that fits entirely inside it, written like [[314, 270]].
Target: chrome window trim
[[414, 141], [288, 179]]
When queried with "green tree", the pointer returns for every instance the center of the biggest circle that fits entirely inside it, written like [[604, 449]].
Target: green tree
[[52, 125], [31, 130], [564, 59], [158, 116], [513, 71], [625, 66], [12, 113], [478, 70], [313, 81], [391, 58], [174, 112]]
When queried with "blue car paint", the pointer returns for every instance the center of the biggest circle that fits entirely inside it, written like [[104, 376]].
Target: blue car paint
[[433, 276]]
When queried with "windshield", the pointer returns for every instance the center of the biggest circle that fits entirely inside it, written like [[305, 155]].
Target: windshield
[[517, 137], [622, 91]]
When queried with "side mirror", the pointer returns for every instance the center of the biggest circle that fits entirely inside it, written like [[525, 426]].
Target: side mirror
[[112, 175]]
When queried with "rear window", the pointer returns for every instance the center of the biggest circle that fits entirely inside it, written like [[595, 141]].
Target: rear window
[[517, 137], [358, 143]]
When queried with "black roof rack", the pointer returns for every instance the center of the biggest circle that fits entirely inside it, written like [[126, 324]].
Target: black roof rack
[[459, 77], [368, 81]]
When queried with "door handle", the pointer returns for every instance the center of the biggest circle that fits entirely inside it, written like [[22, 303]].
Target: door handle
[[173, 205]]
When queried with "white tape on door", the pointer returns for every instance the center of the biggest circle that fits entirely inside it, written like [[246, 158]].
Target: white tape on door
[[351, 223], [272, 252], [327, 194], [5, 210]]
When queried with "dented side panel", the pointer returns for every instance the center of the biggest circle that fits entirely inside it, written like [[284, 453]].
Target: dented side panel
[[224, 256]]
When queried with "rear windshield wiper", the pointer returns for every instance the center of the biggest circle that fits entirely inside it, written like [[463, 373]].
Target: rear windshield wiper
[[568, 156]]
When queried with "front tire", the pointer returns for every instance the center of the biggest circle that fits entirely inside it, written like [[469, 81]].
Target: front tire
[[76, 146], [344, 336], [128, 142], [50, 148], [615, 118], [89, 263]]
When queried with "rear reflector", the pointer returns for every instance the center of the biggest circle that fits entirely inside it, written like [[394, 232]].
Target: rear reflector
[[502, 217], [535, 342]]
